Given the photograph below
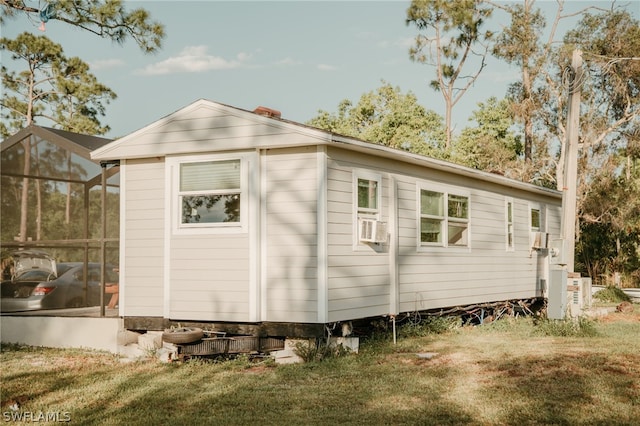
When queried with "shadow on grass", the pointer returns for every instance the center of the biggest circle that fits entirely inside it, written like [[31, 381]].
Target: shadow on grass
[[393, 388], [568, 389]]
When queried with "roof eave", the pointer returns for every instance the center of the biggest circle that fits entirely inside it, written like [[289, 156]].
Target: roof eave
[[368, 147]]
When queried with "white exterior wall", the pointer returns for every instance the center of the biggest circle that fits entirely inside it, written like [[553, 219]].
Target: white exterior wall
[[210, 277], [291, 233], [362, 279], [211, 267], [142, 276], [438, 277], [358, 274]]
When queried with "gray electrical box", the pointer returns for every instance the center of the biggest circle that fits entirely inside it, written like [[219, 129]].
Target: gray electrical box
[[558, 251], [557, 299]]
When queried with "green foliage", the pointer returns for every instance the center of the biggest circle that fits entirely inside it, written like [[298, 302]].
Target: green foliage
[[611, 294], [569, 327], [449, 35], [51, 86], [430, 325], [610, 232], [106, 18], [387, 117], [492, 145]]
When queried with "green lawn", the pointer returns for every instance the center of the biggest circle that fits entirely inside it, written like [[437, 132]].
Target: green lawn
[[508, 373]]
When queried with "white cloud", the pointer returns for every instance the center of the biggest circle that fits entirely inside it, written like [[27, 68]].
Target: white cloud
[[325, 67], [406, 42], [194, 59], [288, 61], [102, 64], [403, 43]]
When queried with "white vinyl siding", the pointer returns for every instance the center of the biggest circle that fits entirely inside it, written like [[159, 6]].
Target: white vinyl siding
[[291, 233], [437, 278], [358, 280], [143, 245], [210, 277], [210, 264]]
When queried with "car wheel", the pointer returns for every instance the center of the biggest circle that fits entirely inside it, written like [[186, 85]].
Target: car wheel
[[182, 335]]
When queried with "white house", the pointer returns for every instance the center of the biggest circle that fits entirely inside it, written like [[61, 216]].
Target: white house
[[229, 215]]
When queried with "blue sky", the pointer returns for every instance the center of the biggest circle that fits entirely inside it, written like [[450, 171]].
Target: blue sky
[[293, 56]]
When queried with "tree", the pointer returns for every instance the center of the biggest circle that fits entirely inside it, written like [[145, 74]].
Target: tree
[[105, 18], [492, 145], [609, 130], [520, 43], [451, 31], [51, 86], [387, 117]]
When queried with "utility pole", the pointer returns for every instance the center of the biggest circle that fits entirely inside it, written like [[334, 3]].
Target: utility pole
[[569, 187]]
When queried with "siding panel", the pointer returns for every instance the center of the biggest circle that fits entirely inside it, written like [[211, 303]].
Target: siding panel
[[144, 238], [291, 229]]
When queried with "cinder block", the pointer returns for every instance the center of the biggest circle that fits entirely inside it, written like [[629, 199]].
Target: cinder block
[[150, 341], [290, 344], [126, 337], [286, 356]]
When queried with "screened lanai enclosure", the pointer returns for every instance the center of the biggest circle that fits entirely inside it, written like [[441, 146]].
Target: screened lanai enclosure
[[58, 204]]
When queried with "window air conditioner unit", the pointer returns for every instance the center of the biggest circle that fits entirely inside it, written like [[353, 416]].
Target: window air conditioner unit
[[372, 231], [539, 240]]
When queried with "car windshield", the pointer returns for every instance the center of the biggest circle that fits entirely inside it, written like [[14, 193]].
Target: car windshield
[[35, 275]]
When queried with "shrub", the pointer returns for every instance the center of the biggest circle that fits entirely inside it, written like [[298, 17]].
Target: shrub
[[568, 327], [429, 325], [611, 294]]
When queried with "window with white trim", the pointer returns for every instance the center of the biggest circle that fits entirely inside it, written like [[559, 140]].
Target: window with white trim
[[367, 190], [444, 218], [510, 238], [535, 219], [210, 193]]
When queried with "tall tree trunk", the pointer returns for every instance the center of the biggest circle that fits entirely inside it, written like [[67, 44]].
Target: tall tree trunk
[[449, 130]]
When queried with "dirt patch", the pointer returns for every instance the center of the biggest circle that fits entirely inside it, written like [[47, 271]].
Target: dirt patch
[[628, 317]]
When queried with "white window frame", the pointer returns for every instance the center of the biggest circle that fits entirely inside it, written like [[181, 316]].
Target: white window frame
[[542, 217], [446, 191], [542, 214], [179, 228], [509, 225], [375, 214]]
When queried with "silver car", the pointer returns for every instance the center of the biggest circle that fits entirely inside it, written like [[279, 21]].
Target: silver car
[[41, 283]]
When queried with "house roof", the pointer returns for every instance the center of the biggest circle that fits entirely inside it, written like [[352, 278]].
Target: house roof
[[74, 142], [190, 130]]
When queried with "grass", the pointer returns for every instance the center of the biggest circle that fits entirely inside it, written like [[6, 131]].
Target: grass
[[505, 373]]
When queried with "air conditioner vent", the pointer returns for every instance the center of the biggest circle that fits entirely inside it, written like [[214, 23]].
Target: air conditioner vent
[[539, 240], [372, 231]]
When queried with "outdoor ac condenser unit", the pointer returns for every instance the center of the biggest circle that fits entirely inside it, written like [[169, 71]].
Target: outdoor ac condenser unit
[[372, 231]]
